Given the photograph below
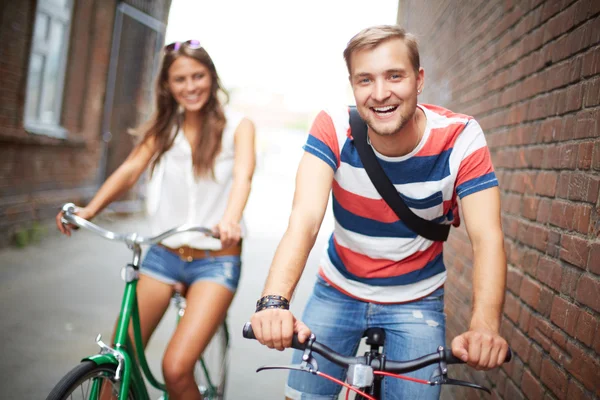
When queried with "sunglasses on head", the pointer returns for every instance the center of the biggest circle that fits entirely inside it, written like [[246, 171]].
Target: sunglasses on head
[[192, 44]]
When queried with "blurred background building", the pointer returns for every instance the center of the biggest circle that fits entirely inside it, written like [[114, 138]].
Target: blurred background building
[[529, 72], [75, 76]]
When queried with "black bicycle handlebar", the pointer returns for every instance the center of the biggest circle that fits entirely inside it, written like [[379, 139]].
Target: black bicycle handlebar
[[389, 365]]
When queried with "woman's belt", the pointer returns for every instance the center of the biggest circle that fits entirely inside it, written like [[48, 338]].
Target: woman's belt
[[187, 253]]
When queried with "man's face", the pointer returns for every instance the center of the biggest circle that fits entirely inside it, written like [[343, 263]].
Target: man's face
[[385, 86]]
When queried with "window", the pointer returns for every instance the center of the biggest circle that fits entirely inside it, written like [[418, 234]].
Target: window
[[47, 65]]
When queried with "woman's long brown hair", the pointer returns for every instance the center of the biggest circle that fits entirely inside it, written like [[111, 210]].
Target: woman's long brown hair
[[166, 116]]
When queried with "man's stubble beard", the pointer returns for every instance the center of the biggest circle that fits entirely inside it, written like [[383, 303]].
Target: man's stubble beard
[[401, 124]]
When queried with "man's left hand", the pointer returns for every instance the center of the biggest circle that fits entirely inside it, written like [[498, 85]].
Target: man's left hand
[[480, 348]]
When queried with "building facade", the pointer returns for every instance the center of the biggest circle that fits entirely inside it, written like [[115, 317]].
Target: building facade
[[75, 75]]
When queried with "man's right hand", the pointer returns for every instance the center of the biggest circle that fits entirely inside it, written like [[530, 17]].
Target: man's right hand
[[66, 228], [275, 328]]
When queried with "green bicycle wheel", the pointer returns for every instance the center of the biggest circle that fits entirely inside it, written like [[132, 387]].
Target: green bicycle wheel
[[79, 383], [211, 369]]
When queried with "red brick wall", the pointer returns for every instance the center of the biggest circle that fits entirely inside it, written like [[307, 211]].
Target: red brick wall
[[529, 72]]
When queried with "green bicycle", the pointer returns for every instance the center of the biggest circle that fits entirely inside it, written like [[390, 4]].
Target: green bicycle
[[120, 369]]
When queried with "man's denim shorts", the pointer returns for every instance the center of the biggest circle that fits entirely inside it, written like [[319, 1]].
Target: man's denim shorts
[[167, 267], [412, 329]]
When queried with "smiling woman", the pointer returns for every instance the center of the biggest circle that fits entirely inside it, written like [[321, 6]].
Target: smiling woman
[[198, 153]]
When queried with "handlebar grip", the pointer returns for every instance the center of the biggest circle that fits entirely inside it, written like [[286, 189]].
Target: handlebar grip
[[248, 333], [452, 359]]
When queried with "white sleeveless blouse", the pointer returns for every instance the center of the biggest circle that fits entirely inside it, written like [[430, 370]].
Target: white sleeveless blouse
[[177, 197]]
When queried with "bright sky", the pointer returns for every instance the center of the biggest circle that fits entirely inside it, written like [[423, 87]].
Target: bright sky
[[282, 46]]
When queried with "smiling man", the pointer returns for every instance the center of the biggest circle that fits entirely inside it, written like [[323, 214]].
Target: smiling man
[[376, 272]]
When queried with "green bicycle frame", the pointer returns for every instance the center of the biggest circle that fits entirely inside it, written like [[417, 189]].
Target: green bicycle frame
[[130, 372]]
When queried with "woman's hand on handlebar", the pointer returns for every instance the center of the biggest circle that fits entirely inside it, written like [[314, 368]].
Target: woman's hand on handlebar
[[275, 328], [230, 232], [65, 229]]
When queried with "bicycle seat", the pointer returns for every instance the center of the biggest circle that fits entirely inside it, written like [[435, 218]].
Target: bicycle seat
[[179, 288]]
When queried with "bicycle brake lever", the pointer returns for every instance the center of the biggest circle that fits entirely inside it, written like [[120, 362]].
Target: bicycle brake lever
[[308, 364], [298, 367], [440, 376], [456, 382]]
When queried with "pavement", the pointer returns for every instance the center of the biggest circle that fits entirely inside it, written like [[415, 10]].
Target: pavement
[[57, 295]]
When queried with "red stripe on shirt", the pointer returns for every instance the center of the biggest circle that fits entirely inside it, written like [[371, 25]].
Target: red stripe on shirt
[[441, 139], [377, 210], [363, 266], [475, 165], [324, 130], [444, 111]]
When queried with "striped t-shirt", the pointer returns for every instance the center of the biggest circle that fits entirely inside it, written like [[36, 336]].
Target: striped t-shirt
[[372, 255]]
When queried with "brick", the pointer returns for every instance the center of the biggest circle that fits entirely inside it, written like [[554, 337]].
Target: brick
[[545, 304], [544, 210], [596, 344], [530, 207], [549, 272], [591, 96], [562, 190], [550, 130], [512, 307], [554, 378], [540, 331], [568, 156], [575, 250], [512, 391], [564, 314], [587, 328], [594, 260], [524, 319], [576, 392], [583, 367], [591, 63], [553, 248], [521, 345], [530, 292], [531, 387], [535, 360], [586, 124], [588, 292], [571, 216], [596, 157], [568, 283]]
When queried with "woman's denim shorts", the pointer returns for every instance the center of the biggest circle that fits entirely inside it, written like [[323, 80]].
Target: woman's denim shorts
[[167, 267]]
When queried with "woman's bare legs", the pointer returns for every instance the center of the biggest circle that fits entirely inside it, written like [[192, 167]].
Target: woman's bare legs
[[153, 299], [207, 304]]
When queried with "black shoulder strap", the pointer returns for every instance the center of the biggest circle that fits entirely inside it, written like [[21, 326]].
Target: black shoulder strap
[[423, 227]]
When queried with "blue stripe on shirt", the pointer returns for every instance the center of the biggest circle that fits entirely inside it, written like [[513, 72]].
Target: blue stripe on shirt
[[477, 184], [413, 170], [317, 148], [420, 204], [432, 268], [370, 227]]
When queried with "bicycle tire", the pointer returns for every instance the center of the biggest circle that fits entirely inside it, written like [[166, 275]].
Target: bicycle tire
[[211, 370], [86, 371]]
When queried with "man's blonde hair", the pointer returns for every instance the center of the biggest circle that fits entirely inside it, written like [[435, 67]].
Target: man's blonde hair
[[372, 37]]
